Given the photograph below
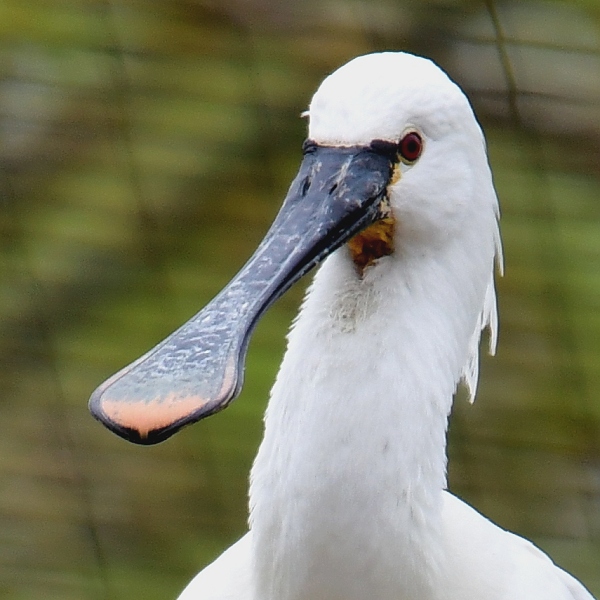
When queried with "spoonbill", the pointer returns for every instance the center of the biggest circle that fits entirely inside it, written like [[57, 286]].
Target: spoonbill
[[348, 497]]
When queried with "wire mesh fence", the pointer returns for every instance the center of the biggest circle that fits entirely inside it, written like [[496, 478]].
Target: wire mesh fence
[[145, 147]]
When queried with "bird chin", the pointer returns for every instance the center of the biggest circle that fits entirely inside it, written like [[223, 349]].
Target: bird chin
[[372, 243]]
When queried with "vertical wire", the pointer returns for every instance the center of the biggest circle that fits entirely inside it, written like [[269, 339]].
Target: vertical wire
[[572, 370], [83, 485], [42, 318], [150, 238], [507, 69]]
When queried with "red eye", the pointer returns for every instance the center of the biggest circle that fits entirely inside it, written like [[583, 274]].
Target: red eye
[[411, 146]]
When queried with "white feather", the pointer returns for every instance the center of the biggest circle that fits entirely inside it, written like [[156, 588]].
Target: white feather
[[348, 496]]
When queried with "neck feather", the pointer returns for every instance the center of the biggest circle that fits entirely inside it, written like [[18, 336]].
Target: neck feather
[[347, 485]]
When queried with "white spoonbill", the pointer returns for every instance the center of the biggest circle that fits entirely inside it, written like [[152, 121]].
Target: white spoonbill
[[348, 496]]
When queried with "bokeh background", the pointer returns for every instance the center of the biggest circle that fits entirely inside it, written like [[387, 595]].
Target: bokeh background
[[145, 147]]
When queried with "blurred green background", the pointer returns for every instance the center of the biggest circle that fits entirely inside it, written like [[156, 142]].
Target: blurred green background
[[145, 147]]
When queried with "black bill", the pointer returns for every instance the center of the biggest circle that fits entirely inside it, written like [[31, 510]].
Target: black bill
[[198, 370]]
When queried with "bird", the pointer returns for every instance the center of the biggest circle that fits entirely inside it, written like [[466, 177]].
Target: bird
[[395, 200]]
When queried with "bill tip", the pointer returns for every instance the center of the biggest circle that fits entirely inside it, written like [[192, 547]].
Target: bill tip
[[147, 421]]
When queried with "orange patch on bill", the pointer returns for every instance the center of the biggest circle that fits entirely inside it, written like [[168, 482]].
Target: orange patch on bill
[[127, 408], [145, 417]]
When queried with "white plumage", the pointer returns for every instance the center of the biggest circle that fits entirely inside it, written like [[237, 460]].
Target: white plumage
[[348, 492]]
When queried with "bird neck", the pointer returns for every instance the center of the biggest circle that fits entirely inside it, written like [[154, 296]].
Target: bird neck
[[347, 485]]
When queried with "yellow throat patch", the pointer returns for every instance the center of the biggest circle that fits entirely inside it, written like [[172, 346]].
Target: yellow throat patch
[[377, 240], [372, 243]]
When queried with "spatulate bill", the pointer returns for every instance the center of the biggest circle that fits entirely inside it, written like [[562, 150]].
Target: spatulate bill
[[198, 370]]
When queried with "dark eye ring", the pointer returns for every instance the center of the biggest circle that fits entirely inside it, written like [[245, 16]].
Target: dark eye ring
[[410, 147]]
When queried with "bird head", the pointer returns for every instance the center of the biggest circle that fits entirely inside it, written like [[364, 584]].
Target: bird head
[[394, 162], [441, 186]]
